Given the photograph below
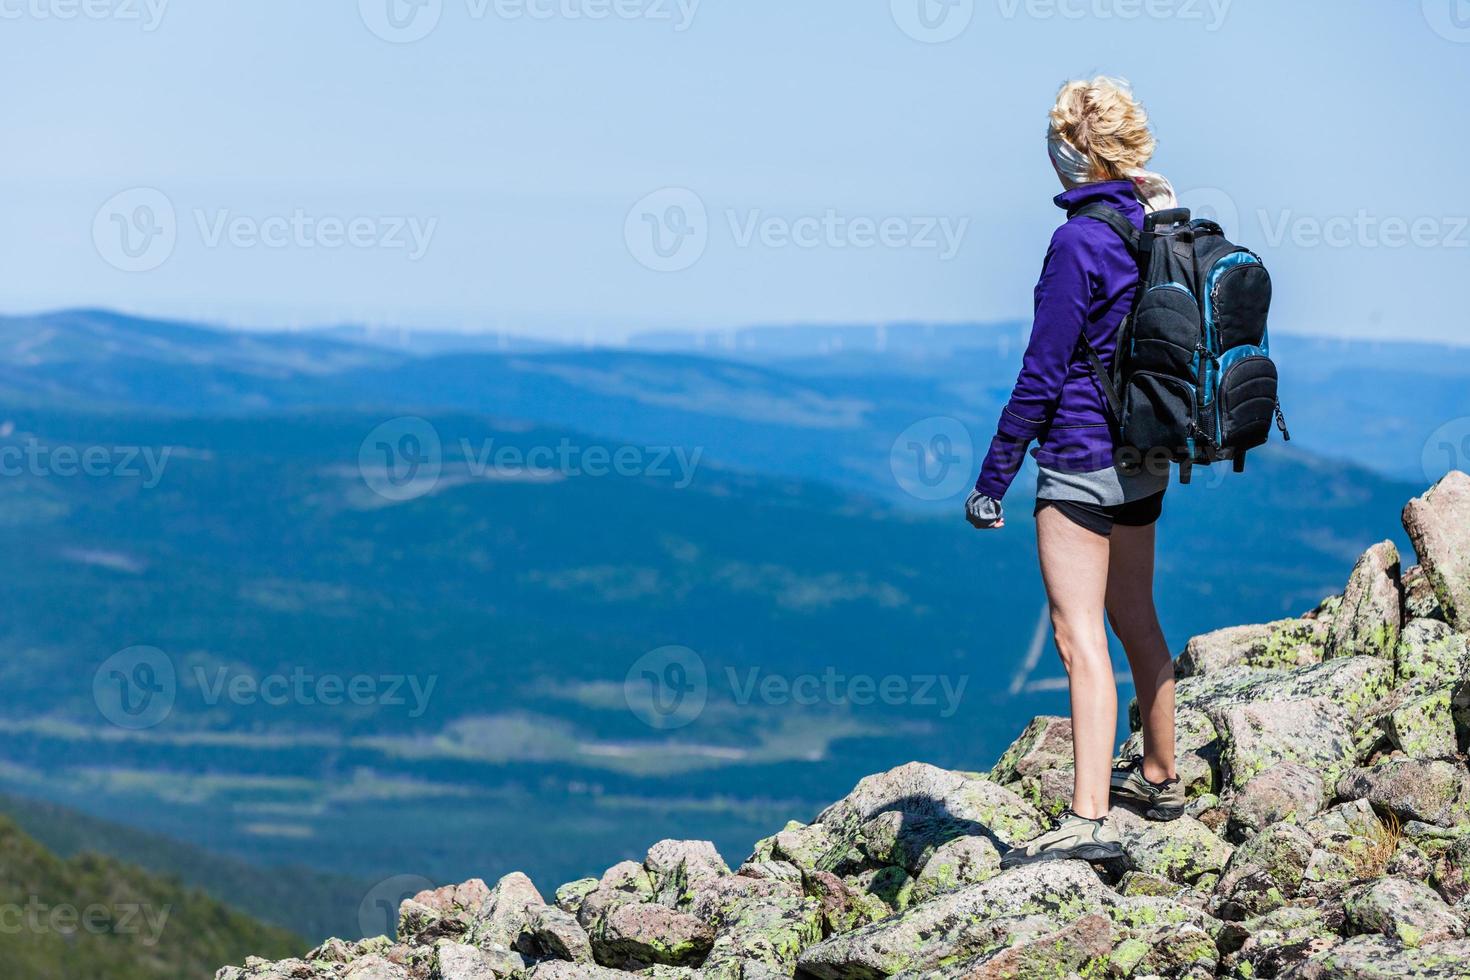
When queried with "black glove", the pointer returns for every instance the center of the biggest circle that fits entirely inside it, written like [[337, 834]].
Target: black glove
[[984, 512]]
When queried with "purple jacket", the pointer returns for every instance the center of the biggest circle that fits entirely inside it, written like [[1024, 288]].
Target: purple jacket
[[1087, 283]]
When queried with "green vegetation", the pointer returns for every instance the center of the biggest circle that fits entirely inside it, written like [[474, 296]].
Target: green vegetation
[[93, 918]]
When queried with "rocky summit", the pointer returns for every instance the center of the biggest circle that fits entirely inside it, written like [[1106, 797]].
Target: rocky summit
[[1327, 836]]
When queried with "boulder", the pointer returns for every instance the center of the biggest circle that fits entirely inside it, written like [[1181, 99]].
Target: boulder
[[1439, 525], [1284, 644], [504, 912], [962, 861], [1271, 944], [1409, 911], [1422, 725], [1431, 651], [1181, 850], [714, 901], [955, 925], [1420, 602], [1259, 735], [1285, 791], [1045, 745], [457, 961], [933, 798], [553, 933], [1357, 685], [1072, 949], [1377, 958], [636, 935], [770, 932], [1263, 873], [1371, 614], [676, 867], [569, 897], [373, 967], [1434, 792]]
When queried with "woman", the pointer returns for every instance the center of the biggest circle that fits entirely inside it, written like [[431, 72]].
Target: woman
[[1094, 519]]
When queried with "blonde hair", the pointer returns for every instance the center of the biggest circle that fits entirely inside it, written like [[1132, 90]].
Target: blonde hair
[[1102, 119]]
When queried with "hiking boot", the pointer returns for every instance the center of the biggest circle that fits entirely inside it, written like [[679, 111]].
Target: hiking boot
[[1075, 839], [1162, 801]]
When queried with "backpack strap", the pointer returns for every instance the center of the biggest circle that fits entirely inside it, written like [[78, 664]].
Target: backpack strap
[[1104, 377], [1111, 217], [1132, 238]]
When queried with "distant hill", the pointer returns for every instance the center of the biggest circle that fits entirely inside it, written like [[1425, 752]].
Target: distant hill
[[807, 402], [93, 918], [306, 902]]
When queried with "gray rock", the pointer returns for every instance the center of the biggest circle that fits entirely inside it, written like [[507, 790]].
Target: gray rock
[[1181, 850], [1045, 745], [1263, 873], [560, 970], [630, 877], [1281, 645], [1430, 650], [1434, 792], [960, 862], [1408, 911], [1439, 525], [1285, 791], [965, 803], [633, 935], [677, 867], [1422, 725], [373, 968], [1259, 735], [1377, 958], [770, 932], [1357, 685], [503, 914], [1075, 948], [569, 897], [1371, 615], [1420, 602], [457, 961], [552, 933], [953, 926], [713, 899]]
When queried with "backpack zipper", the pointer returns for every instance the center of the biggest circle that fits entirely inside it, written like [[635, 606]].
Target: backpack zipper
[[1281, 422]]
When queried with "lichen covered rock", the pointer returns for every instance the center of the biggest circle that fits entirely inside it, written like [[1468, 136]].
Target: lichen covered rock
[[1439, 525], [1371, 614]]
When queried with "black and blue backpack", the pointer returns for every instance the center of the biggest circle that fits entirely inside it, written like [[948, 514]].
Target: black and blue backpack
[[1193, 381]]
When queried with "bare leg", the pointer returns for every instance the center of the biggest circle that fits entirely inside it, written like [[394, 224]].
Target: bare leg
[[1130, 601], [1074, 566]]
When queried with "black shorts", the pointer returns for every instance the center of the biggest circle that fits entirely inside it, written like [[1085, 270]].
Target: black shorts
[[1102, 520]]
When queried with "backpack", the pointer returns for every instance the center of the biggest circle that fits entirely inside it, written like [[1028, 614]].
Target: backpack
[[1193, 381]]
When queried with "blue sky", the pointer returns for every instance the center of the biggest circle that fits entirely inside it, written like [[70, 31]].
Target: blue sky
[[506, 164]]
